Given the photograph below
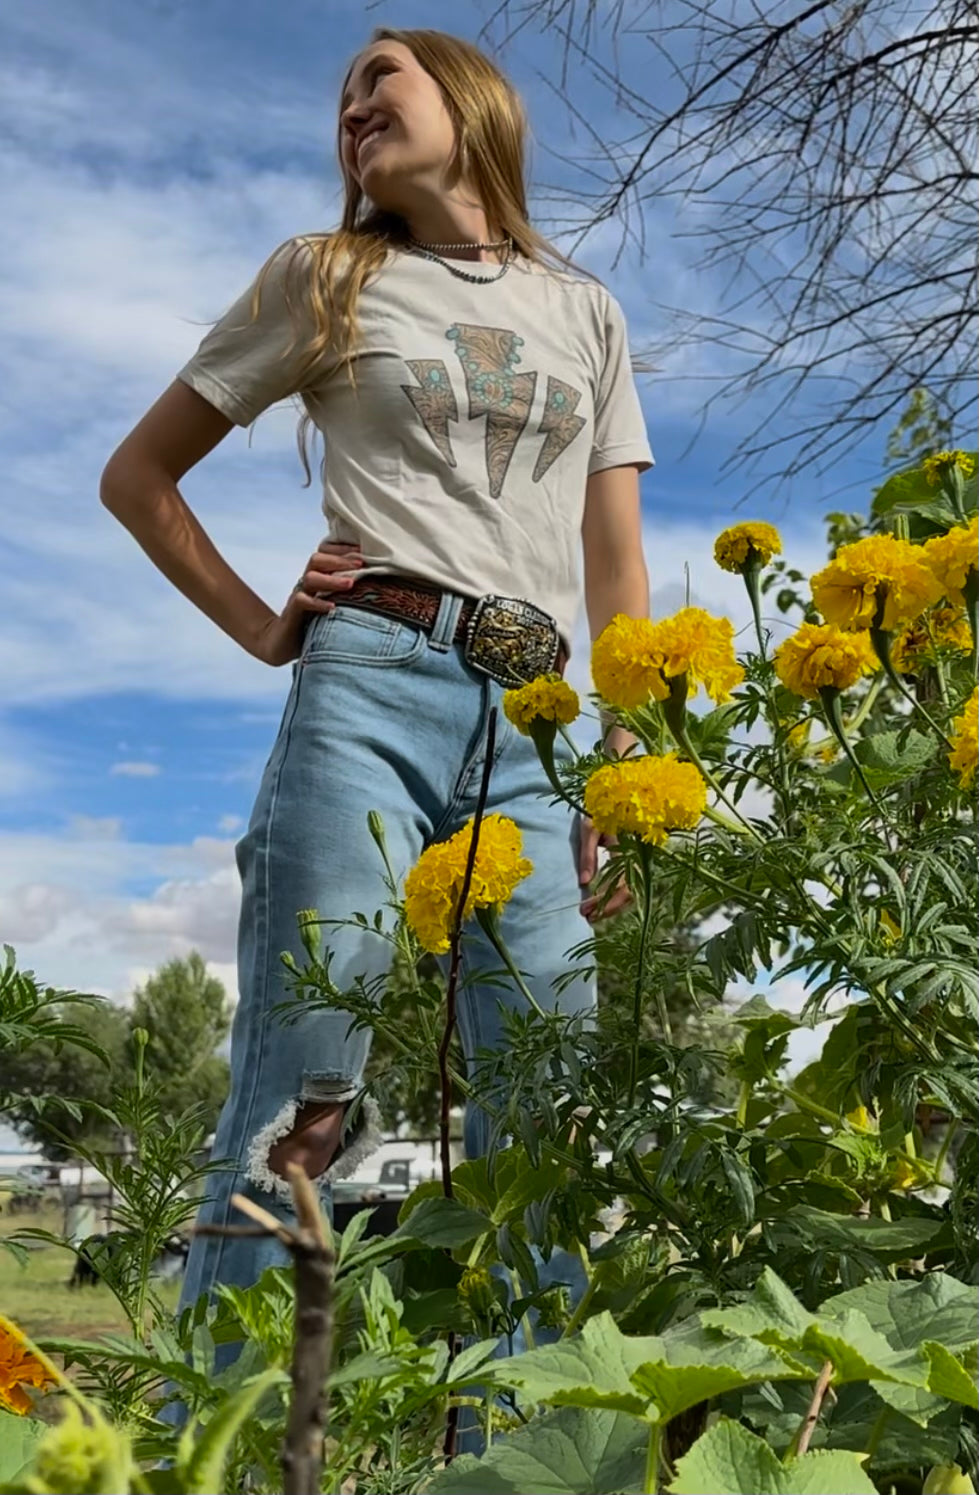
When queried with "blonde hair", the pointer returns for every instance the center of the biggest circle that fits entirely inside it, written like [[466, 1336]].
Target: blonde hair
[[491, 144]]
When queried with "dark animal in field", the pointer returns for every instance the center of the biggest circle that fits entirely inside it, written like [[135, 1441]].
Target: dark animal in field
[[97, 1255]]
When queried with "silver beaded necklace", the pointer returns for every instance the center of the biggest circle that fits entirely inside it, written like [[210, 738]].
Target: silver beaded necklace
[[427, 252]]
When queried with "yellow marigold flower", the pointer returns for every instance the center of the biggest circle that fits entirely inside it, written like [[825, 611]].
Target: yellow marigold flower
[[648, 797], [878, 574], [434, 885], [20, 1367], [962, 758], [635, 658], [915, 645], [548, 698], [952, 556], [934, 466], [743, 544], [627, 663], [820, 655], [701, 647]]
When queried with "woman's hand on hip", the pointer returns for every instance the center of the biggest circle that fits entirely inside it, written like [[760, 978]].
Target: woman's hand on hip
[[327, 570]]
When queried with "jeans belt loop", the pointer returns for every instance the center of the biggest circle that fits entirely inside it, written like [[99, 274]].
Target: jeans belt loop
[[442, 635]]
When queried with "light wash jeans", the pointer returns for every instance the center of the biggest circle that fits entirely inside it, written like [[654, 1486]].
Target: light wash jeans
[[380, 716]]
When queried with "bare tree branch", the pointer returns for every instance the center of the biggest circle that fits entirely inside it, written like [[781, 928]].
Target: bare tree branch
[[821, 157]]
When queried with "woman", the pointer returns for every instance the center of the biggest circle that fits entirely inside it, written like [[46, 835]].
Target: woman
[[479, 415]]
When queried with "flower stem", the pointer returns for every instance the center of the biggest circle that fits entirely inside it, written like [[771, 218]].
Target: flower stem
[[881, 642], [830, 698], [751, 576], [647, 910], [650, 1483], [486, 918], [950, 1131], [683, 741]]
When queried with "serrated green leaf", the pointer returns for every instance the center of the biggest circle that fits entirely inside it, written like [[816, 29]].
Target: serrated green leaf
[[937, 1307], [949, 1377], [442, 1222], [828, 1472], [593, 1370], [674, 1385], [729, 1460], [860, 1353], [570, 1452], [771, 1313]]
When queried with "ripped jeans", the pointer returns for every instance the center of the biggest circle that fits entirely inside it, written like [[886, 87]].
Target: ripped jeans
[[382, 716]]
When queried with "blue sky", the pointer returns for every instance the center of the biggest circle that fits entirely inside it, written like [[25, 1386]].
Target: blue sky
[[156, 154]]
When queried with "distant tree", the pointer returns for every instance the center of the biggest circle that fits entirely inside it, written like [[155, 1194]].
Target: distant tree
[[56, 1088], [187, 1015]]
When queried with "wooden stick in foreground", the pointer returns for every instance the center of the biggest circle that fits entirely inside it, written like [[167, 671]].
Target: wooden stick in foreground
[[302, 1452], [313, 1258]]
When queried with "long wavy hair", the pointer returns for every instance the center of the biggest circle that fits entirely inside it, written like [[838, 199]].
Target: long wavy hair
[[491, 147]]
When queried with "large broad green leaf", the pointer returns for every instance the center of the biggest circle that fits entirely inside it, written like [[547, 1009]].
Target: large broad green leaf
[[949, 1377], [514, 1182], [728, 1460], [570, 1452], [593, 1370], [895, 755], [441, 1222], [652, 1377], [857, 1419], [886, 1239], [937, 1307], [673, 1386], [859, 1353], [19, 1436], [770, 1313]]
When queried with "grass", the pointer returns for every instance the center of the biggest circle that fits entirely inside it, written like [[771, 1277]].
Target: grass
[[37, 1296]]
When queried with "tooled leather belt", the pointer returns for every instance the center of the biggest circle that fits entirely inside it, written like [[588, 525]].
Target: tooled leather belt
[[417, 602]]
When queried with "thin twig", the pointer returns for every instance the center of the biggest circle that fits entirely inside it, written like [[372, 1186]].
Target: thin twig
[[808, 1427]]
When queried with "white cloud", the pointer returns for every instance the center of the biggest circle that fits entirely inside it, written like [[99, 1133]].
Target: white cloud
[[135, 770], [65, 908], [228, 824]]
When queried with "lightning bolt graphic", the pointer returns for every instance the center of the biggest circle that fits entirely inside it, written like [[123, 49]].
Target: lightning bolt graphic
[[558, 422], [488, 356], [434, 401]]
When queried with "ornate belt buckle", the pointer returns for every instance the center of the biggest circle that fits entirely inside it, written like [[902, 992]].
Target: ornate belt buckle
[[511, 640]]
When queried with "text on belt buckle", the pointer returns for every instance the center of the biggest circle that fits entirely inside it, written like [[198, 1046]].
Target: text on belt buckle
[[511, 640]]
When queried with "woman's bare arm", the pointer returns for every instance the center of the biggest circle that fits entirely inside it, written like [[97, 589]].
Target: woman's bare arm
[[139, 486]]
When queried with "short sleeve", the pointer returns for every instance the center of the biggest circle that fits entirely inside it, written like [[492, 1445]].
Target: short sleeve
[[620, 438], [247, 363]]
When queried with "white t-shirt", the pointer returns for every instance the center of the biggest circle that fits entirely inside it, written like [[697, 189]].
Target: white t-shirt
[[479, 411]]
